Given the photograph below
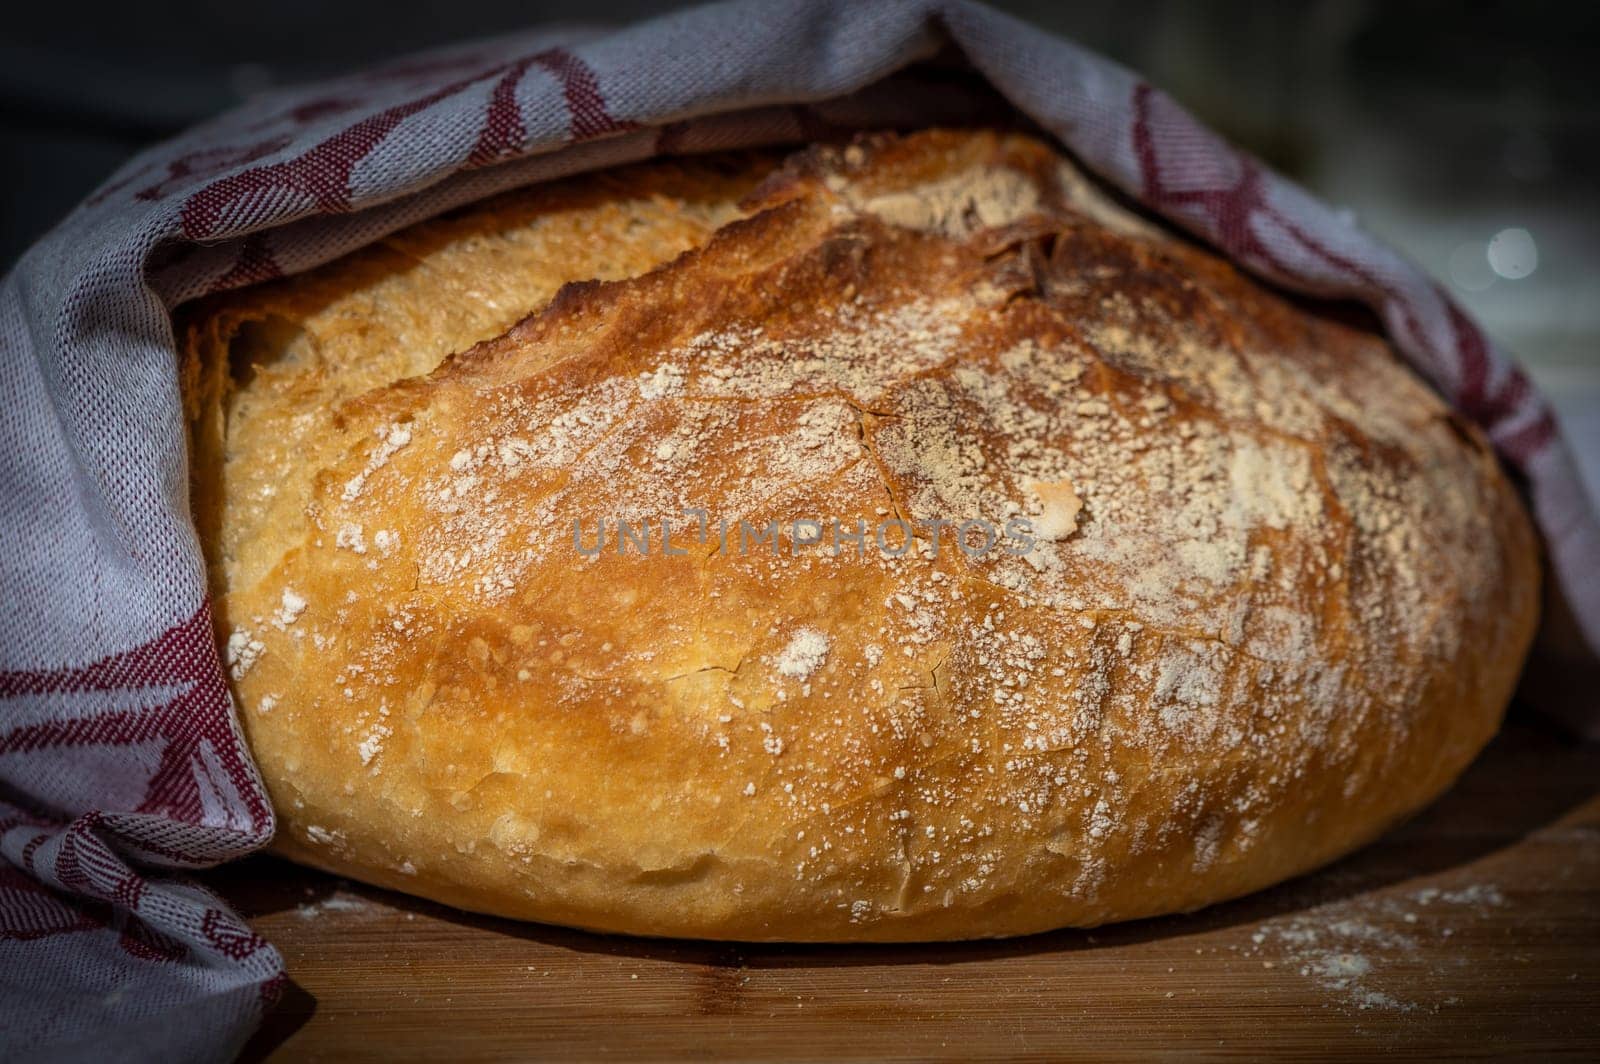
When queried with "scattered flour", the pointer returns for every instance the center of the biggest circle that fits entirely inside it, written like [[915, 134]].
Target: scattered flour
[[390, 439], [290, 607], [242, 652], [1369, 951], [339, 902], [806, 652]]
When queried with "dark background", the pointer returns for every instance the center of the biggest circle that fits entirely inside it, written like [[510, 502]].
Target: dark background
[[1441, 124]]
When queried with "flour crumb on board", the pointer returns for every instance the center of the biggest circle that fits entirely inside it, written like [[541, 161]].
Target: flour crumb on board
[[1352, 948], [1480, 894], [336, 903]]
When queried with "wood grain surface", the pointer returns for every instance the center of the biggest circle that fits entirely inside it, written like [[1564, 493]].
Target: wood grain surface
[[1474, 929]]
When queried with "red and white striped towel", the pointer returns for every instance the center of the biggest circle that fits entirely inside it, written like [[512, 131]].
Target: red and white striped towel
[[121, 762]]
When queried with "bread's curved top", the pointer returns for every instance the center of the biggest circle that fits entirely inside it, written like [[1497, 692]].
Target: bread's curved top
[[268, 367], [1278, 597]]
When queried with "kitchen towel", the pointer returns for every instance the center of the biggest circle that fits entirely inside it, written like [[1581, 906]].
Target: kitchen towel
[[121, 762]]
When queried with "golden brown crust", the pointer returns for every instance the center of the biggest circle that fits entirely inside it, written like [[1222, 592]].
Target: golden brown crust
[[274, 362], [1279, 596]]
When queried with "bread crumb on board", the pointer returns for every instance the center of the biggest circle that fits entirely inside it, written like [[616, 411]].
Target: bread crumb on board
[[1384, 951]]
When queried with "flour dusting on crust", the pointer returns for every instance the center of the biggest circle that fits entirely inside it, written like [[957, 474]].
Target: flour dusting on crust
[[580, 544]]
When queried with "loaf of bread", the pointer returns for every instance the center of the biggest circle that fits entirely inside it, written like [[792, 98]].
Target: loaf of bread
[[896, 541]]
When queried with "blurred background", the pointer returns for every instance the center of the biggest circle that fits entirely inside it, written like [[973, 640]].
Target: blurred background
[[1467, 133]]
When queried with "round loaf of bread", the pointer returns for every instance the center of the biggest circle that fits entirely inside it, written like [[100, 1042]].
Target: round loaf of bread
[[897, 541]]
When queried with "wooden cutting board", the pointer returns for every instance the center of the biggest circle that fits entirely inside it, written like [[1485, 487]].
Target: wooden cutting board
[[1473, 929]]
